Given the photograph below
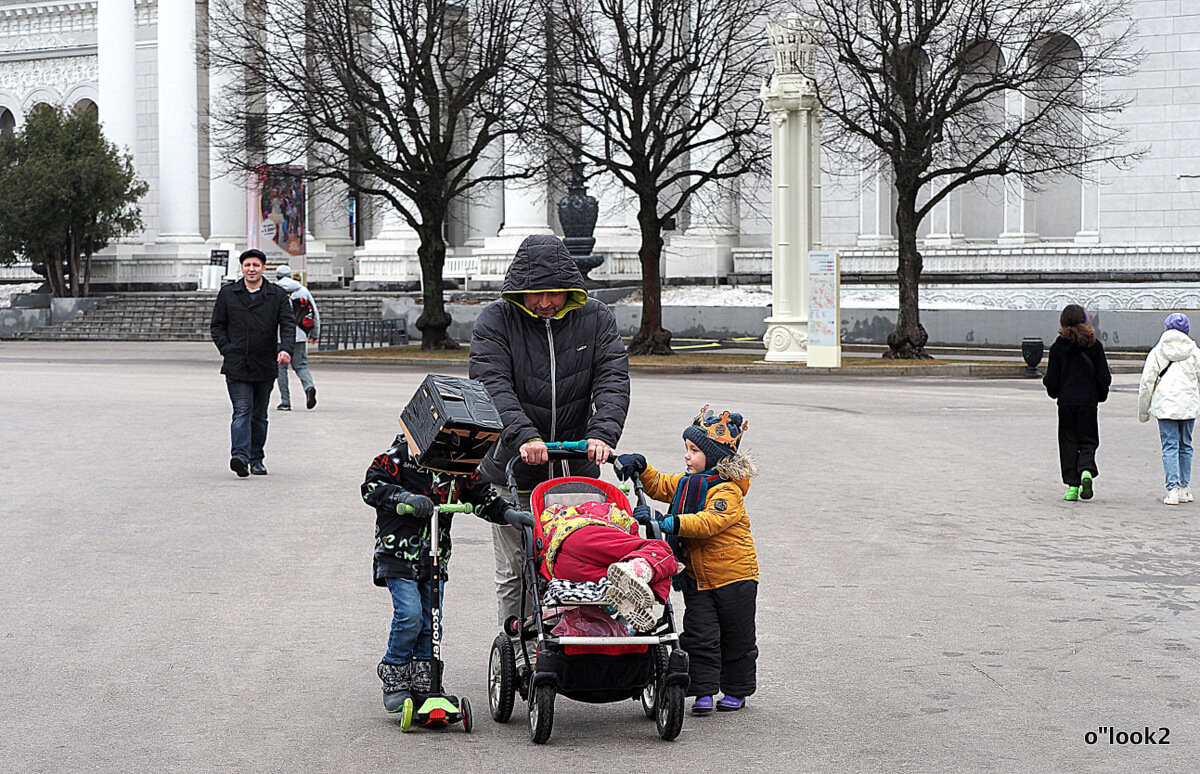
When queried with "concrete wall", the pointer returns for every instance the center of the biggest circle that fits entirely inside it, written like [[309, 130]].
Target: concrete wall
[[33, 311], [14, 322], [1124, 330]]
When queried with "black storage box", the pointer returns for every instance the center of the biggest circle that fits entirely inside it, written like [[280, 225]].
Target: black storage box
[[450, 423]]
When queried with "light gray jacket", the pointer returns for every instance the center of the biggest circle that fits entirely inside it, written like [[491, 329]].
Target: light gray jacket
[[296, 290]]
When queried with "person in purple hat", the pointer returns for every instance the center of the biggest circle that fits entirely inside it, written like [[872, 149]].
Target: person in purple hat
[[1170, 390], [1077, 376]]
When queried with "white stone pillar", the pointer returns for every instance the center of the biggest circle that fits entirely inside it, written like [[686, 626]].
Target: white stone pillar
[[1019, 220], [795, 157], [116, 32], [226, 186], [526, 202], [178, 137]]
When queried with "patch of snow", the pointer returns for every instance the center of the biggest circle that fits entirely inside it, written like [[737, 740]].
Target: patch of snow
[[760, 296], [8, 291]]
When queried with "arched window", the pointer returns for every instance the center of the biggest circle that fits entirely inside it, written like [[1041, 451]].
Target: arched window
[[8, 123], [89, 106], [1058, 208], [983, 201]]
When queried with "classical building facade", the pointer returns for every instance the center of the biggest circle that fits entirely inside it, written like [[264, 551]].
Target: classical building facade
[[1133, 238]]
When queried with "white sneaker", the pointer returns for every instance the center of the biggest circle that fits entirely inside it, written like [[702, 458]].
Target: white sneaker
[[631, 595], [1172, 497], [1185, 494]]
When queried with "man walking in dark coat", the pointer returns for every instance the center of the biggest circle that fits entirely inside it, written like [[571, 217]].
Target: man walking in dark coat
[[553, 362], [255, 330]]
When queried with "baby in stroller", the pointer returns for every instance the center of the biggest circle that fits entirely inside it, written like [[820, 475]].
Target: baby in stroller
[[597, 543]]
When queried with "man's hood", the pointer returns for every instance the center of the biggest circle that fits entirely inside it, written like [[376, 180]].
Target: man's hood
[[543, 263], [1176, 345], [288, 284]]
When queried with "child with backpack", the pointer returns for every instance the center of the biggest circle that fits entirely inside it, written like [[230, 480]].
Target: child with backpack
[[708, 520], [401, 558]]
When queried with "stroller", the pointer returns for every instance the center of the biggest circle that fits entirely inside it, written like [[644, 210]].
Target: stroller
[[648, 666]]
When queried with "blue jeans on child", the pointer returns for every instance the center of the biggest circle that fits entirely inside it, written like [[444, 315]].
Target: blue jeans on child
[[412, 629], [1176, 437], [248, 430]]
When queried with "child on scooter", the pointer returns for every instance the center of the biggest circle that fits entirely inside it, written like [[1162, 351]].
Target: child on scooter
[[402, 561]]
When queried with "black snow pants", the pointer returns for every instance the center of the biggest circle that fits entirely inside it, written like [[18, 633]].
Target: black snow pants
[[1078, 439], [718, 635]]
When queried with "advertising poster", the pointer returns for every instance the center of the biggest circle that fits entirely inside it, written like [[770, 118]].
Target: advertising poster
[[277, 215]]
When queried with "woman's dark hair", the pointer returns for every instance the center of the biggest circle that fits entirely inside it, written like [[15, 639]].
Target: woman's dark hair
[[1072, 314], [1074, 326]]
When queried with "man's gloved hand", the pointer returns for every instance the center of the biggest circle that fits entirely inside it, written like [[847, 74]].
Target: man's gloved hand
[[422, 506], [643, 515], [668, 524], [629, 465]]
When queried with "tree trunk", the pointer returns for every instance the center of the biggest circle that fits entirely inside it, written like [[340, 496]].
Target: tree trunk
[[434, 320], [73, 263], [54, 275], [651, 338], [907, 342]]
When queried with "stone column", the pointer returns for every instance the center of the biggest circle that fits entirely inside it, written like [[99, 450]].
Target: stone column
[[178, 137], [790, 99], [116, 33], [1019, 201], [226, 186]]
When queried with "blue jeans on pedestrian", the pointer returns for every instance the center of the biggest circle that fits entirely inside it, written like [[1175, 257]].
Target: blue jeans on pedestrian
[[248, 431], [300, 366], [1176, 437], [411, 637]]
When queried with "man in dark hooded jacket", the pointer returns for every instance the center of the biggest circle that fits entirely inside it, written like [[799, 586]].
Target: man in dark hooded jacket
[[553, 362]]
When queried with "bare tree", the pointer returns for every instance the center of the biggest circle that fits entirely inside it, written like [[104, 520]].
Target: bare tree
[[405, 100], [948, 92], [663, 96]]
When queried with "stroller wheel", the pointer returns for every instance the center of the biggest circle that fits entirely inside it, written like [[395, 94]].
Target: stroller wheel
[[668, 716], [502, 679], [541, 713], [651, 691]]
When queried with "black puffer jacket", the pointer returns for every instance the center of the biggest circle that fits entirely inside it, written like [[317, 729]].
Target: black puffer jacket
[[251, 329], [559, 379]]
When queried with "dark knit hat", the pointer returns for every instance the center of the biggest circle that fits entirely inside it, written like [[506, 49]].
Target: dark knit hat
[[717, 436]]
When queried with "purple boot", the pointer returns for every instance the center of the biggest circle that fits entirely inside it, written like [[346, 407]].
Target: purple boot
[[729, 703], [703, 705]]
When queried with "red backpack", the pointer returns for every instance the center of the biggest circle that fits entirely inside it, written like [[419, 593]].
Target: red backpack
[[306, 316]]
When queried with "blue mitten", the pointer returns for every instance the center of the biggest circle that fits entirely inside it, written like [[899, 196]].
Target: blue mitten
[[643, 515], [629, 465]]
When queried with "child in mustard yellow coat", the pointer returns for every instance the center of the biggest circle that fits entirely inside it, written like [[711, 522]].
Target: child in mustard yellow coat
[[708, 519]]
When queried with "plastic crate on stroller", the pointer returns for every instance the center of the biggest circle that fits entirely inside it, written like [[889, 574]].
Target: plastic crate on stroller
[[647, 666]]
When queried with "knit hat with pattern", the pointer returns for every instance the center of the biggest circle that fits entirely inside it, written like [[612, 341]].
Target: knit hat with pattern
[[716, 435]]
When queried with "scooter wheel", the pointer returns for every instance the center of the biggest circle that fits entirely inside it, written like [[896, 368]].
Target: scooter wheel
[[406, 715], [464, 710]]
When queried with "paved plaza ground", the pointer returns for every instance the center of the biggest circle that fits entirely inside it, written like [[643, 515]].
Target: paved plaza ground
[[928, 603]]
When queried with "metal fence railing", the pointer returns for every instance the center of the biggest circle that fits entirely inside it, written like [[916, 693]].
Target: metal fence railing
[[361, 334]]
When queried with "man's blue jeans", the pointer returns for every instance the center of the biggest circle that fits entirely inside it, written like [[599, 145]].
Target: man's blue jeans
[[248, 431], [412, 621], [1176, 437]]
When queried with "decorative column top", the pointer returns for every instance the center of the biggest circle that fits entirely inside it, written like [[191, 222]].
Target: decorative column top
[[794, 82], [795, 47]]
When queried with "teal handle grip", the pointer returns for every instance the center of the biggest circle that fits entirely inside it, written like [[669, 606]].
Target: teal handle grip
[[576, 446], [404, 510]]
